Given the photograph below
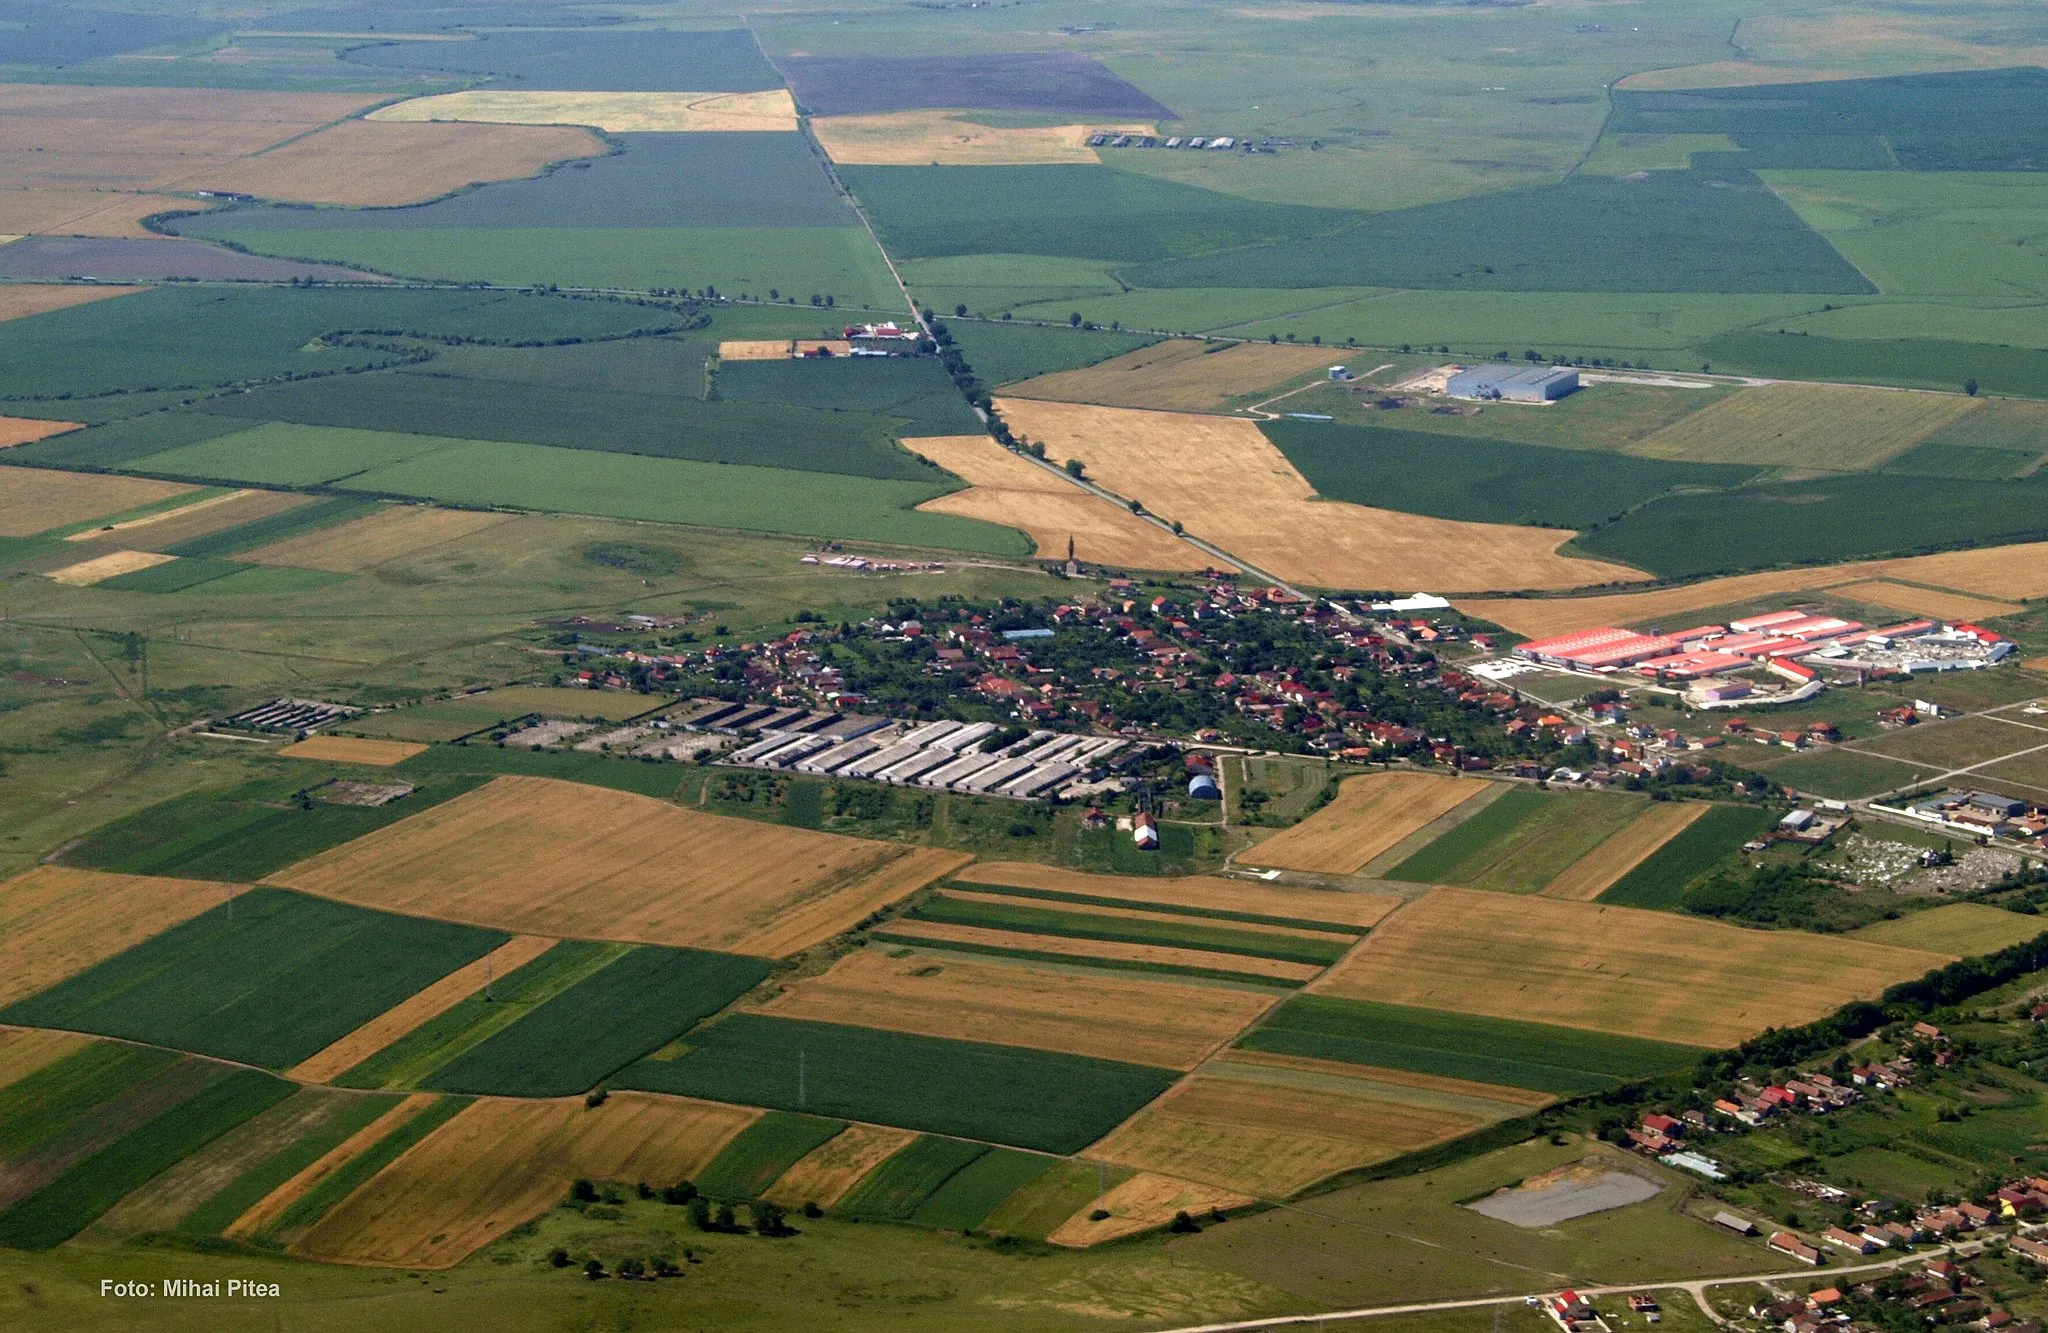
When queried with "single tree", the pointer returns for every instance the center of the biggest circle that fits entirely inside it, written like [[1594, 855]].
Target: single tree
[[1970, 387]]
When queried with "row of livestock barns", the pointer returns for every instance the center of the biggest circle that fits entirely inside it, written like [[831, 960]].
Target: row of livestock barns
[[1777, 639]]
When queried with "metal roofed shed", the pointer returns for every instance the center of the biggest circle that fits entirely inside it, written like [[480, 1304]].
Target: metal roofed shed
[[1513, 384]]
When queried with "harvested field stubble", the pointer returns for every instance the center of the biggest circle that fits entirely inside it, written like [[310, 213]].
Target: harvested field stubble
[[2019, 571], [443, 995], [268, 1210], [1925, 601], [202, 518], [1181, 375], [1371, 814], [1109, 953], [1145, 1201], [1835, 426], [1611, 969], [503, 1162], [614, 113], [388, 534], [1595, 872], [353, 750], [1162, 1023], [26, 430], [826, 1173], [364, 164], [951, 138], [1227, 482], [34, 500], [1270, 1139], [113, 564], [25, 1050], [20, 300], [56, 921], [1213, 892], [563, 859], [1018, 493]]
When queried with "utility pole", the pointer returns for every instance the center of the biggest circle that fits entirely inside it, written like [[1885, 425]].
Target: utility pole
[[800, 1073], [490, 978]]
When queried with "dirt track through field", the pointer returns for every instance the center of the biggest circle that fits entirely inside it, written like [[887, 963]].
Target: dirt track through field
[[388, 534], [940, 933], [1020, 494], [1594, 873], [827, 1172], [1370, 814], [1270, 1139], [1145, 1201], [1210, 891], [503, 1162], [1179, 375], [543, 857], [354, 1048], [1612, 969], [55, 922], [1163, 1023], [2008, 572], [1229, 485]]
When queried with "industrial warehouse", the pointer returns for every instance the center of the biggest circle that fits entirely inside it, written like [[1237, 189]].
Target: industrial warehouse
[[1501, 383], [945, 756]]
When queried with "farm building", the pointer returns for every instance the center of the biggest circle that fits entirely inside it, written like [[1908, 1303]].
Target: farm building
[[1514, 384], [1202, 787], [1145, 833]]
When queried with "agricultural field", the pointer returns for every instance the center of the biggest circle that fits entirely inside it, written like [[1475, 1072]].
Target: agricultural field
[[825, 1174], [553, 858], [1827, 426], [1200, 896], [1592, 875], [38, 502], [1013, 492], [268, 979], [1227, 938], [1179, 375], [1228, 483], [1162, 1023], [1959, 929], [1610, 969], [1949, 606], [1091, 950], [1523, 841], [1371, 814], [56, 922], [613, 112], [1043, 1100], [942, 138], [767, 1149]]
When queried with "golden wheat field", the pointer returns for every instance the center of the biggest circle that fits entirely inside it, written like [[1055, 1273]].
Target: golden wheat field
[[1594, 873], [937, 934], [56, 921], [1018, 493], [263, 1215], [502, 1162], [1143, 1202], [1612, 969], [1210, 891], [1371, 813], [544, 857], [60, 212], [351, 1049], [1167, 1024], [154, 532], [1180, 375], [1270, 1139], [113, 564], [1227, 483], [953, 139], [824, 1175], [614, 113], [353, 750], [35, 500], [20, 300], [390, 533], [25, 1050], [363, 164], [1925, 601]]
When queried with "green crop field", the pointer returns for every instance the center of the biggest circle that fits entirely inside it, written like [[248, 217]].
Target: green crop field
[[913, 390], [625, 1009], [1660, 880], [291, 454], [900, 1185], [63, 1208], [760, 1153], [343, 1181], [1191, 934], [1442, 858], [647, 777], [1223, 972], [1844, 774], [1007, 1094], [1962, 462], [1482, 481], [1532, 854], [245, 832], [267, 980], [967, 1198], [42, 1108], [249, 1188], [1539, 1056], [1916, 362], [262, 531], [1005, 353], [1058, 1193], [475, 1018], [178, 575]]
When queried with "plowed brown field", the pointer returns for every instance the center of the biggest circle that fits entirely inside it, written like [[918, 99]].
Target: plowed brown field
[[1371, 814], [1594, 873], [1154, 1022], [56, 921], [559, 858], [504, 1162], [1020, 494], [1228, 484], [1211, 891], [1612, 969]]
